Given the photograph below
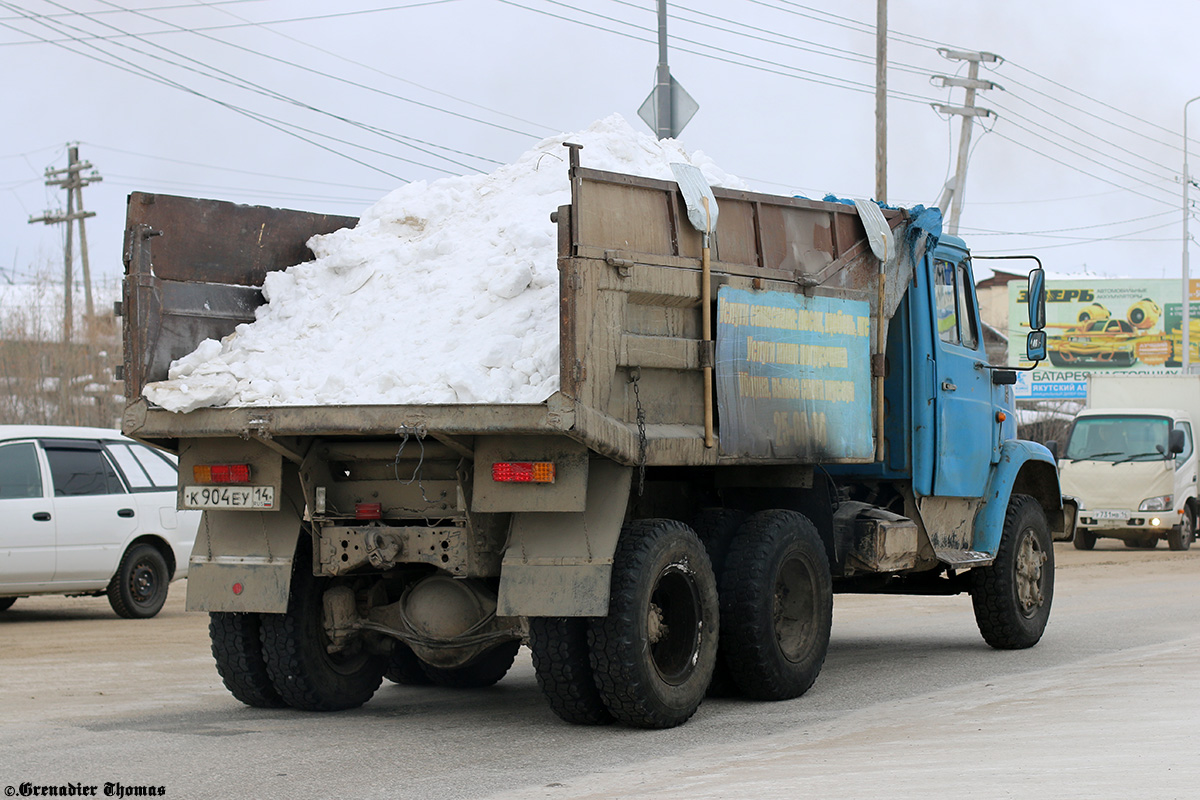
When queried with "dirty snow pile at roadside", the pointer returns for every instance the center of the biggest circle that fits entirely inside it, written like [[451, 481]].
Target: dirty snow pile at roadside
[[444, 292]]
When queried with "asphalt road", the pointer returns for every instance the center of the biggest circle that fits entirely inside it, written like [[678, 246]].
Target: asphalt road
[[911, 703]]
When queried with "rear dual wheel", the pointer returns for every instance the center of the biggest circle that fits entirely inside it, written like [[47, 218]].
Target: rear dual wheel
[[653, 656], [295, 648], [776, 606]]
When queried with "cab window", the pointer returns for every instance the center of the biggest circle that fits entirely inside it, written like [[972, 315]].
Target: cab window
[[1186, 453], [952, 299], [966, 320], [20, 475], [946, 303]]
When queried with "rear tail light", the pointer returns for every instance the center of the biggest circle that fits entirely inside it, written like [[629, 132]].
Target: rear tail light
[[368, 510], [221, 473], [523, 472]]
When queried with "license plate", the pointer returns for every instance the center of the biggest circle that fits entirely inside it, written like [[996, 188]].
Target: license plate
[[1110, 514], [249, 497]]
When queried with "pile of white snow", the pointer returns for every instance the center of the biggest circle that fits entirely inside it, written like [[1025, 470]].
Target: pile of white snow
[[443, 293]]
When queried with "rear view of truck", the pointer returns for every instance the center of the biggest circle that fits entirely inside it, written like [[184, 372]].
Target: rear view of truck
[[742, 428]]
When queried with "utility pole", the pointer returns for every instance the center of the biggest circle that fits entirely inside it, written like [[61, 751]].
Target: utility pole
[[73, 181], [952, 193], [881, 101]]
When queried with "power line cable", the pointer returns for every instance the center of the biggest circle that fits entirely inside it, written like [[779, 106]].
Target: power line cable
[[154, 8], [1158, 215], [1110, 107], [859, 26], [127, 66], [267, 26], [1044, 154], [233, 169], [772, 67], [244, 83], [1077, 154], [1010, 115], [792, 42]]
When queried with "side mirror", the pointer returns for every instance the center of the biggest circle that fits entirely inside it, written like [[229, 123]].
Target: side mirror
[[1037, 299], [1052, 446], [1175, 442], [1035, 344]]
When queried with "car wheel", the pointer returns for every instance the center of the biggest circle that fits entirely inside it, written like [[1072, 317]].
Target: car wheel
[[1012, 596], [1084, 539], [1180, 537], [6, 603], [139, 588]]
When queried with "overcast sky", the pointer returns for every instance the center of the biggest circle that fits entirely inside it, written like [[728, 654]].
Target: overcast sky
[[327, 106]]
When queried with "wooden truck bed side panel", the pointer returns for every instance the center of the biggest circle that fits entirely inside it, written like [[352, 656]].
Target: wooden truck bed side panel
[[630, 298]]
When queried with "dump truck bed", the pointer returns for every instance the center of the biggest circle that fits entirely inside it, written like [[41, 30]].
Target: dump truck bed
[[631, 349]]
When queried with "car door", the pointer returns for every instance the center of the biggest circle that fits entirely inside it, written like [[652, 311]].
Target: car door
[[93, 512], [152, 477], [26, 519], [962, 389]]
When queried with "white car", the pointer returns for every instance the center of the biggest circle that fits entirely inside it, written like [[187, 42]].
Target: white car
[[87, 511]]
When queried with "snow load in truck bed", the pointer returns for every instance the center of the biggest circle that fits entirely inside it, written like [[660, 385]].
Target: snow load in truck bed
[[443, 293]]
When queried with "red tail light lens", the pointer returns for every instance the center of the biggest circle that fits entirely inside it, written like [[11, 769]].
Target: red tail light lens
[[368, 510], [523, 472], [221, 473]]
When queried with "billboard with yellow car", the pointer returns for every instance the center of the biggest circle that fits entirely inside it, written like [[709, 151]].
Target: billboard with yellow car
[[1103, 325]]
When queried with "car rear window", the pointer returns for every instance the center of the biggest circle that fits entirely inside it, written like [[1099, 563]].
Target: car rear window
[[143, 467], [20, 475]]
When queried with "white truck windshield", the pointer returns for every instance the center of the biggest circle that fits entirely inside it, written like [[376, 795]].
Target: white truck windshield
[[1118, 438]]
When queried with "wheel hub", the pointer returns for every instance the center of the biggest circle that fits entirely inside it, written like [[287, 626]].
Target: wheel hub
[[656, 629], [673, 625], [1030, 560], [142, 582]]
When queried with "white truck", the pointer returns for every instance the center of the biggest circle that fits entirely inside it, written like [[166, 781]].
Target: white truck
[[1130, 459]]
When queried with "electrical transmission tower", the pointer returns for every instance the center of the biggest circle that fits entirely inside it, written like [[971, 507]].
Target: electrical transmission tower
[[952, 193], [73, 181]]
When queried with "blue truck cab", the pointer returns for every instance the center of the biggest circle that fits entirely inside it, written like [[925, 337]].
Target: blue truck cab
[[951, 445]]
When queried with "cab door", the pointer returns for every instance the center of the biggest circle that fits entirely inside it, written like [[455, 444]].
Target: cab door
[[962, 389]]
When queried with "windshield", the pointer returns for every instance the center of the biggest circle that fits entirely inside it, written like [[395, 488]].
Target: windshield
[[1118, 439]]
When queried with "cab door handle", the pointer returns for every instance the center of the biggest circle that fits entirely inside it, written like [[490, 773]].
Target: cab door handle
[[948, 386], [41, 516], [125, 512]]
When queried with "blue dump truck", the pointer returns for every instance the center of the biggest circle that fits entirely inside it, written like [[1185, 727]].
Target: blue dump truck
[[785, 401]]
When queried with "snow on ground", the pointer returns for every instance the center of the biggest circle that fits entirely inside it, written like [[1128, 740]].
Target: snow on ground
[[443, 293]]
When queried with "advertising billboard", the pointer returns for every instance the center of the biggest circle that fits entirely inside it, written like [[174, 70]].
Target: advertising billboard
[[1127, 326]]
